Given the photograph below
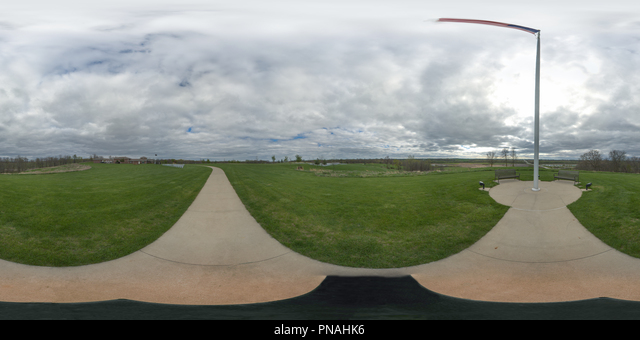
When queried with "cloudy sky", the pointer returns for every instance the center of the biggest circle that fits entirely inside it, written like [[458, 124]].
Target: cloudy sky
[[246, 80]]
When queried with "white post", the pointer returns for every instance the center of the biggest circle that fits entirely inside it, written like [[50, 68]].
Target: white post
[[536, 147], [537, 99]]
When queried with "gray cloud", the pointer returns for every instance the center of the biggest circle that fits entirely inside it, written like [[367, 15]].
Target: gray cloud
[[222, 82]]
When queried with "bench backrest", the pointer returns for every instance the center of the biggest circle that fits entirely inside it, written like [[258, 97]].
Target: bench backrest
[[568, 173]]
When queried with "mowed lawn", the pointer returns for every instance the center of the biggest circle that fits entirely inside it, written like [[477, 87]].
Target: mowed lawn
[[91, 216], [351, 215], [611, 210], [373, 221]]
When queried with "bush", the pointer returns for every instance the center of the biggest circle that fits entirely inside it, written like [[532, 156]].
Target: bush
[[412, 164]]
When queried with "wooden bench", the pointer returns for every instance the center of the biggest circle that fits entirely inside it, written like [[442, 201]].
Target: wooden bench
[[566, 174], [506, 173]]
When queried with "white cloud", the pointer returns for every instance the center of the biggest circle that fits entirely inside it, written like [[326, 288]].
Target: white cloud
[[241, 80]]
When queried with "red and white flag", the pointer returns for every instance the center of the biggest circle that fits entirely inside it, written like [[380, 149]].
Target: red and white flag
[[494, 23]]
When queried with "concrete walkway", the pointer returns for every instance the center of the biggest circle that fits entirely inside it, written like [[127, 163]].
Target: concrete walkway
[[538, 252], [218, 254]]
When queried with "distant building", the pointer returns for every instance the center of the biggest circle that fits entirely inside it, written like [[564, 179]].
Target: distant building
[[122, 160]]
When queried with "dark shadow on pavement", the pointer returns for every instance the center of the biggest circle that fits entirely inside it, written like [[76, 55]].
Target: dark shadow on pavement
[[337, 298]]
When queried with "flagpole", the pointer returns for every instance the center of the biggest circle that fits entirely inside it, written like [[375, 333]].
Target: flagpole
[[536, 147]]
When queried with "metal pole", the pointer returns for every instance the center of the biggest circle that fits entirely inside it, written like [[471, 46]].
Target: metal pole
[[536, 147], [537, 104]]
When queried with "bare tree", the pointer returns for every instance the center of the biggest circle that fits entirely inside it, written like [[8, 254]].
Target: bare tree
[[491, 157], [513, 156], [20, 164], [413, 164], [617, 159], [591, 160], [634, 163], [505, 155]]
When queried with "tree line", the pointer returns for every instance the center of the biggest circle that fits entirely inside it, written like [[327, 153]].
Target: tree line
[[408, 164], [505, 155], [618, 161], [20, 164]]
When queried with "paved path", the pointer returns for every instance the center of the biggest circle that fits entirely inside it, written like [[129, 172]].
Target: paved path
[[538, 252], [218, 254]]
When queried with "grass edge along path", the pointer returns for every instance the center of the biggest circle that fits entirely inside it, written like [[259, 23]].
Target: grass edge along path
[[369, 221], [611, 209], [92, 216], [78, 218]]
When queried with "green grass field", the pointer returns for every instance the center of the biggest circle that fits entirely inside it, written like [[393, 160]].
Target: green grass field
[[368, 216], [367, 220], [91, 216], [611, 211], [353, 215]]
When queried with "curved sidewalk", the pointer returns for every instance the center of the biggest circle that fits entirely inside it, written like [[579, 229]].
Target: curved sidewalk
[[538, 252], [218, 254], [215, 254]]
